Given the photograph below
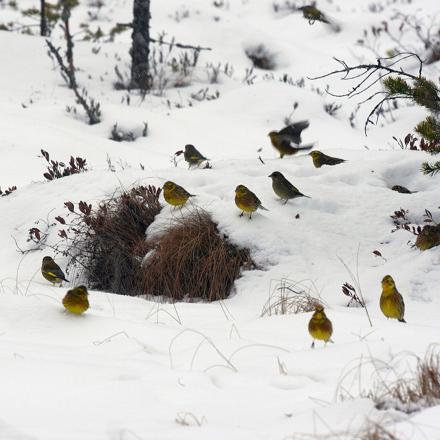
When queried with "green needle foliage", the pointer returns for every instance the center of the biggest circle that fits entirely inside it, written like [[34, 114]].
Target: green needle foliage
[[424, 93]]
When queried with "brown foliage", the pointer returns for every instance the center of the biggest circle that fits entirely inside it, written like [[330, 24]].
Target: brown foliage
[[56, 170], [114, 239], [190, 259]]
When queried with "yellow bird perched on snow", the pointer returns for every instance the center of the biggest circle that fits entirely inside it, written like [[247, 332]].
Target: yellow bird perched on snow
[[247, 201], [391, 301], [174, 194], [320, 327], [76, 300]]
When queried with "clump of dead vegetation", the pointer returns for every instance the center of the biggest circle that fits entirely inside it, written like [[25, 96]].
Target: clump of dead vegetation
[[190, 259], [109, 248], [419, 389], [407, 383], [289, 297]]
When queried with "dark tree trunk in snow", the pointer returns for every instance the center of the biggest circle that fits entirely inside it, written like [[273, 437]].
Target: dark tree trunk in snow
[[140, 77], [43, 20]]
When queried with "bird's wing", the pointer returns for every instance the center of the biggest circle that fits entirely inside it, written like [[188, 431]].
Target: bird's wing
[[182, 191], [332, 160], [292, 187], [256, 199], [56, 273], [294, 129], [54, 269]]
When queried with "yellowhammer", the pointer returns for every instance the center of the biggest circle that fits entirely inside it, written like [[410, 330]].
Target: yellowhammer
[[320, 159], [320, 327], [287, 140], [247, 201], [175, 195], [391, 301], [76, 300]]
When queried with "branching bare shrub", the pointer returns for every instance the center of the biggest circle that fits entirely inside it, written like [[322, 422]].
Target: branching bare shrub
[[191, 259], [397, 85], [90, 106], [106, 245], [169, 68], [289, 297], [109, 242]]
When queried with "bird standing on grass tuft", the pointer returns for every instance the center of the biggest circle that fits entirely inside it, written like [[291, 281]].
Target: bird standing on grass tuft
[[76, 300], [283, 188], [391, 301], [313, 14], [282, 140], [175, 195], [193, 156], [320, 159], [247, 201], [320, 327], [52, 272]]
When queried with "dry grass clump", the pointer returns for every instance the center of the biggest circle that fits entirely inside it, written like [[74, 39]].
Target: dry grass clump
[[187, 260], [375, 431], [190, 260], [420, 390], [369, 431], [289, 298]]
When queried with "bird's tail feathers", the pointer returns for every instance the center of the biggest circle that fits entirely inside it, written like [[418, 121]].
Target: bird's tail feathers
[[263, 208]]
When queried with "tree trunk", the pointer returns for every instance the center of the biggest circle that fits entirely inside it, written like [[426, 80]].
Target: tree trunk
[[43, 19], [65, 18], [140, 49]]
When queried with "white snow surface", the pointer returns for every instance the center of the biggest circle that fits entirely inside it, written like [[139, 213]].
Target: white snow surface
[[137, 369]]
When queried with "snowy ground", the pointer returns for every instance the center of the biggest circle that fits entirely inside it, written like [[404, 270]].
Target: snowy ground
[[132, 369]]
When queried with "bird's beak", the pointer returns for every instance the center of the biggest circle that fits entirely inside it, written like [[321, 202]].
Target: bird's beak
[[270, 175]]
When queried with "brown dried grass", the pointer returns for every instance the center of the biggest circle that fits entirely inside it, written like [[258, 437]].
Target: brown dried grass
[[289, 297], [410, 394], [192, 260]]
